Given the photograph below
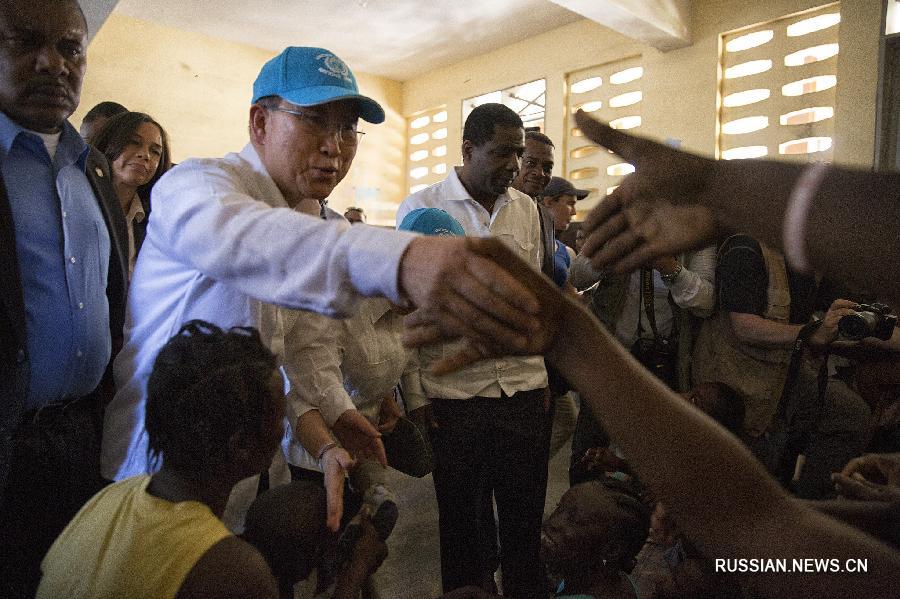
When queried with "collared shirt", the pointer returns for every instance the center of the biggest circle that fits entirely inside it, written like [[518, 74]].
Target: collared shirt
[[223, 246], [693, 289], [63, 248], [134, 214], [514, 220], [337, 365]]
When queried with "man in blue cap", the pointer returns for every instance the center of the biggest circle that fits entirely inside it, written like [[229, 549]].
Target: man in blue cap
[[225, 244]]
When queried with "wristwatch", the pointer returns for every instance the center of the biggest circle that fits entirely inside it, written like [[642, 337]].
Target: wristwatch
[[669, 279]]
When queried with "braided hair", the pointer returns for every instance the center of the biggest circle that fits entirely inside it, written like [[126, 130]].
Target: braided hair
[[207, 384]]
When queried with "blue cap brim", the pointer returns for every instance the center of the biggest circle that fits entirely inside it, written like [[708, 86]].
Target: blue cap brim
[[369, 110]]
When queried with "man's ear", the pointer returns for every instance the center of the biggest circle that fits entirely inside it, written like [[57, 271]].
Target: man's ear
[[259, 121], [467, 147]]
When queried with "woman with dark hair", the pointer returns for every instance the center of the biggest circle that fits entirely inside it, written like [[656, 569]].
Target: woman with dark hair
[[137, 148]]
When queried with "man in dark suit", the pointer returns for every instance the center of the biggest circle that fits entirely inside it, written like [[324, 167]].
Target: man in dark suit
[[62, 285]]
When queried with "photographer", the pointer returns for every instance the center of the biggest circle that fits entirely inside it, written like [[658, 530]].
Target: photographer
[[761, 326]]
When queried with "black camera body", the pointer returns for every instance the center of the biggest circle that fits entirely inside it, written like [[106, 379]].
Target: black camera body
[[868, 320]]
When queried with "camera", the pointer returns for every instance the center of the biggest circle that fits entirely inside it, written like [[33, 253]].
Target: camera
[[868, 320]]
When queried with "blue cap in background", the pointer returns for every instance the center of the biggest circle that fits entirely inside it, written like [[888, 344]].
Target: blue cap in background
[[312, 76], [431, 221]]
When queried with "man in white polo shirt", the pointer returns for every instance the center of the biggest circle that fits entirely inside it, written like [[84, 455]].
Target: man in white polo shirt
[[491, 433]]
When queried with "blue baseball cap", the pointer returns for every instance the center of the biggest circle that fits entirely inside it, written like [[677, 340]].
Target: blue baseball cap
[[312, 76], [431, 221]]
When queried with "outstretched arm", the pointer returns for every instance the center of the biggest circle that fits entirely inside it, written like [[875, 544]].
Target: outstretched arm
[[676, 200]]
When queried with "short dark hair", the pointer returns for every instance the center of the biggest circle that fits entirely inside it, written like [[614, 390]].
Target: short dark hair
[[206, 385], [106, 109], [539, 137], [480, 124], [117, 132]]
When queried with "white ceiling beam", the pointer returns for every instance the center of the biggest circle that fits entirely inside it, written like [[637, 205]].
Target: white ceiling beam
[[662, 24]]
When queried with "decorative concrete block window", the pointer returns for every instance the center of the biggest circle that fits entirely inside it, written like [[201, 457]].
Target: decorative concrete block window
[[777, 87], [527, 100], [611, 92], [426, 133]]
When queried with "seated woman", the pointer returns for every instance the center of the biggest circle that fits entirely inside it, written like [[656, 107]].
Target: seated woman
[[138, 152], [215, 412]]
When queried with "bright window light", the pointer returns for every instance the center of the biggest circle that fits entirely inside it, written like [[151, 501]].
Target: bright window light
[[418, 155], [626, 122], [609, 190], [420, 122], [439, 151], [745, 69], [745, 152], [440, 117], [814, 54], [586, 85], [807, 115], [418, 138], [744, 98], [584, 151], [626, 76], [439, 169], [617, 170], [440, 134], [808, 86], [813, 24], [583, 173], [591, 106], [418, 172], [625, 99], [751, 40], [807, 145], [418, 187], [745, 125], [576, 132]]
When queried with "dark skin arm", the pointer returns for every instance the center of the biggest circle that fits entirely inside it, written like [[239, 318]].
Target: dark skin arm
[[231, 569], [676, 201]]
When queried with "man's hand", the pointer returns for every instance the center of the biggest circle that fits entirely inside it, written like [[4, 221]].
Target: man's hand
[[462, 289], [388, 414], [827, 333], [336, 462], [359, 437], [422, 329], [653, 212], [873, 477]]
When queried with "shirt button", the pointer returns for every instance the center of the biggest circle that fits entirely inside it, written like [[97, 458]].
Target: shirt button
[[72, 259], [81, 305], [65, 214], [79, 353]]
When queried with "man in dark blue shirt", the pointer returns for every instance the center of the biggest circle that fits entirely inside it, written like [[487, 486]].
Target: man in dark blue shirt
[[62, 290]]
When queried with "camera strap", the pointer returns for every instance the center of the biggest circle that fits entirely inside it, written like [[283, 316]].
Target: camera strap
[[647, 302]]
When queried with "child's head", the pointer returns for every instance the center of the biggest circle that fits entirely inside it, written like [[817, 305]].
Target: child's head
[[593, 530], [215, 401]]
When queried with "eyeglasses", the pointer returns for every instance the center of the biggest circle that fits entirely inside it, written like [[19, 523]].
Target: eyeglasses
[[320, 126]]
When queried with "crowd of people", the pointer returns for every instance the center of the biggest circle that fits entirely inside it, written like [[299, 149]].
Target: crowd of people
[[206, 370]]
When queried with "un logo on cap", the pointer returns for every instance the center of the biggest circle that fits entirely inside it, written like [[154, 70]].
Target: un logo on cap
[[334, 67]]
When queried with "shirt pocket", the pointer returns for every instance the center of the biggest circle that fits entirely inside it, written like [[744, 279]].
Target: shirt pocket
[[519, 243]]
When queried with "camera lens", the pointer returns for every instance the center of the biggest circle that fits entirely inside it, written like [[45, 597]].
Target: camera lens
[[857, 326]]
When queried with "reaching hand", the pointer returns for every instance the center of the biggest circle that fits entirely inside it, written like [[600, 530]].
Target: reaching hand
[[422, 329], [461, 289], [359, 437], [388, 414], [653, 212], [336, 462], [873, 477]]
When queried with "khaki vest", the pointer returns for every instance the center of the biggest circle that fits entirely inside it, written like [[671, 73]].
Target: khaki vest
[[757, 374]]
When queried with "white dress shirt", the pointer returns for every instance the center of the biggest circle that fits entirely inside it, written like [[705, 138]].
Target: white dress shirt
[[223, 246], [516, 222]]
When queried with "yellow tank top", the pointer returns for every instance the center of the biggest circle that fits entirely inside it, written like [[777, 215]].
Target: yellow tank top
[[127, 543]]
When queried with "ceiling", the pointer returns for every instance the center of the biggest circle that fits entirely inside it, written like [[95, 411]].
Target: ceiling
[[397, 39]]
